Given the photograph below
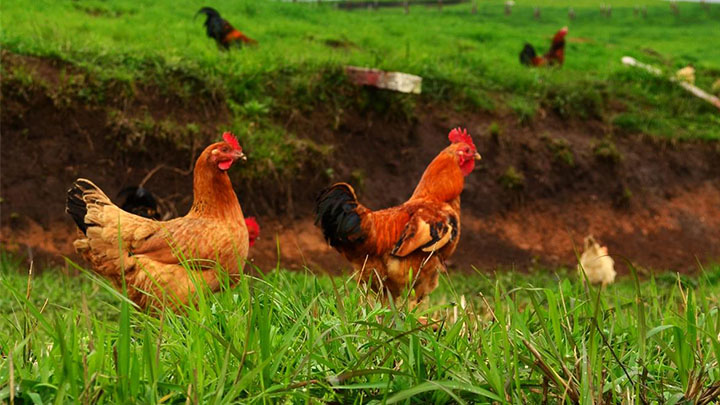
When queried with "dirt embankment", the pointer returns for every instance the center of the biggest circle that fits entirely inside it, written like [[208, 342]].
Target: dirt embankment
[[537, 192]]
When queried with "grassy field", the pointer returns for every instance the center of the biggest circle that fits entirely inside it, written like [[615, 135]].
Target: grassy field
[[295, 337], [469, 61]]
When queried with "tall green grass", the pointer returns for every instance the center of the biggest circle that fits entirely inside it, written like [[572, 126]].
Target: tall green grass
[[297, 337], [464, 58]]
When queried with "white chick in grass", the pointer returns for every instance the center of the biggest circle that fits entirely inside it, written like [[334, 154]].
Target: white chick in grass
[[686, 74], [599, 267]]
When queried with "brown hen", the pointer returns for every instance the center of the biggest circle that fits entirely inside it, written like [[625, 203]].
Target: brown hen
[[163, 262]]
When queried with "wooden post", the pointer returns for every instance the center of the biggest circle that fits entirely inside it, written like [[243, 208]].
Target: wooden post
[[397, 81], [536, 13], [571, 13], [406, 5], [440, 5], [474, 7]]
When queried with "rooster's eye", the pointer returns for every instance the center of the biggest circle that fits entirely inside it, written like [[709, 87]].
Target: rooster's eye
[[225, 149]]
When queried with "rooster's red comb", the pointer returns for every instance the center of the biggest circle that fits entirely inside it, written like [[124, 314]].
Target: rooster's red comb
[[460, 135], [229, 138]]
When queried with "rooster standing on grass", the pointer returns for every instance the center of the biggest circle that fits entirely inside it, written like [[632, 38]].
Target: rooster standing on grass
[[555, 56], [221, 31], [405, 245]]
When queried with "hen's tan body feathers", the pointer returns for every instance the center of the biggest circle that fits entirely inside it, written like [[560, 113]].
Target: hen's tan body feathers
[[161, 258]]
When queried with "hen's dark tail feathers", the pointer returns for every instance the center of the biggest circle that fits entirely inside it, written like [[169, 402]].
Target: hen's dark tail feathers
[[76, 207], [527, 54], [336, 214]]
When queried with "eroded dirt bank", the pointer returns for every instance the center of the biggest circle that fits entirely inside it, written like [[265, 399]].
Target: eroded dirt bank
[[539, 189]]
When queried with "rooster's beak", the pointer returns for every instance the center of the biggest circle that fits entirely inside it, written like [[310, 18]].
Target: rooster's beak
[[239, 155], [477, 156]]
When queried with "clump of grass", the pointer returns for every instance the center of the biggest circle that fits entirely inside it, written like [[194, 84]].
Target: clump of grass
[[135, 134], [252, 110], [605, 149], [629, 122], [578, 99], [358, 177], [625, 197], [479, 99], [495, 131], [561, 150], [512, 179], [524, 108]]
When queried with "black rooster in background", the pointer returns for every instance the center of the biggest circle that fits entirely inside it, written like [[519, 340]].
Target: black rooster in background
[[221, 31], [139, 201]]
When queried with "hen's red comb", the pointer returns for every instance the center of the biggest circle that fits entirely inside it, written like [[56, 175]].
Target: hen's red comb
[[253, 230], [460, 135], [231, 140], [252, 224]]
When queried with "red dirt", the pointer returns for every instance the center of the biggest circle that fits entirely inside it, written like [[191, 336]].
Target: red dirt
[[658, 206]]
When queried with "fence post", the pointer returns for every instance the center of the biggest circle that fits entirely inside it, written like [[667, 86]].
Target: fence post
[[406, 5], [440, 5], [674, 7]]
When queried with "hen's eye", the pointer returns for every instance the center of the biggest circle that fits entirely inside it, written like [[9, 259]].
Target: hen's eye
[[225, 149]]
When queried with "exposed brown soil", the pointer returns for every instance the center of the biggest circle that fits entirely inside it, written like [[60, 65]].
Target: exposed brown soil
[[656, 203]]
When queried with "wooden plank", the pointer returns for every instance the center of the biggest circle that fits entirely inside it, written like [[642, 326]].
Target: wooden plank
[[397, 81]]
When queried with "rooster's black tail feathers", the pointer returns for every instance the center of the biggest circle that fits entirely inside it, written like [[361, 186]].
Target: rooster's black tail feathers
[[336, 214]]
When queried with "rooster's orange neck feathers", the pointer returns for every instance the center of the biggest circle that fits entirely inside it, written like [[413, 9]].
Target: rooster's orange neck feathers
[[442, 180]]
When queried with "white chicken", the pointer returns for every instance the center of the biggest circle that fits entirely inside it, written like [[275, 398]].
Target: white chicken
[[599, 267], [686, 74]]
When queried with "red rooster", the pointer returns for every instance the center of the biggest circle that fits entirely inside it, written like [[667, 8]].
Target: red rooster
[[155, 258], [221, 31], [555, 56], [407, 244]]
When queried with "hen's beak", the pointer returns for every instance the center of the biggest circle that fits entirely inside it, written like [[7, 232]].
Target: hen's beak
[[477, 156], [238, 155]]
